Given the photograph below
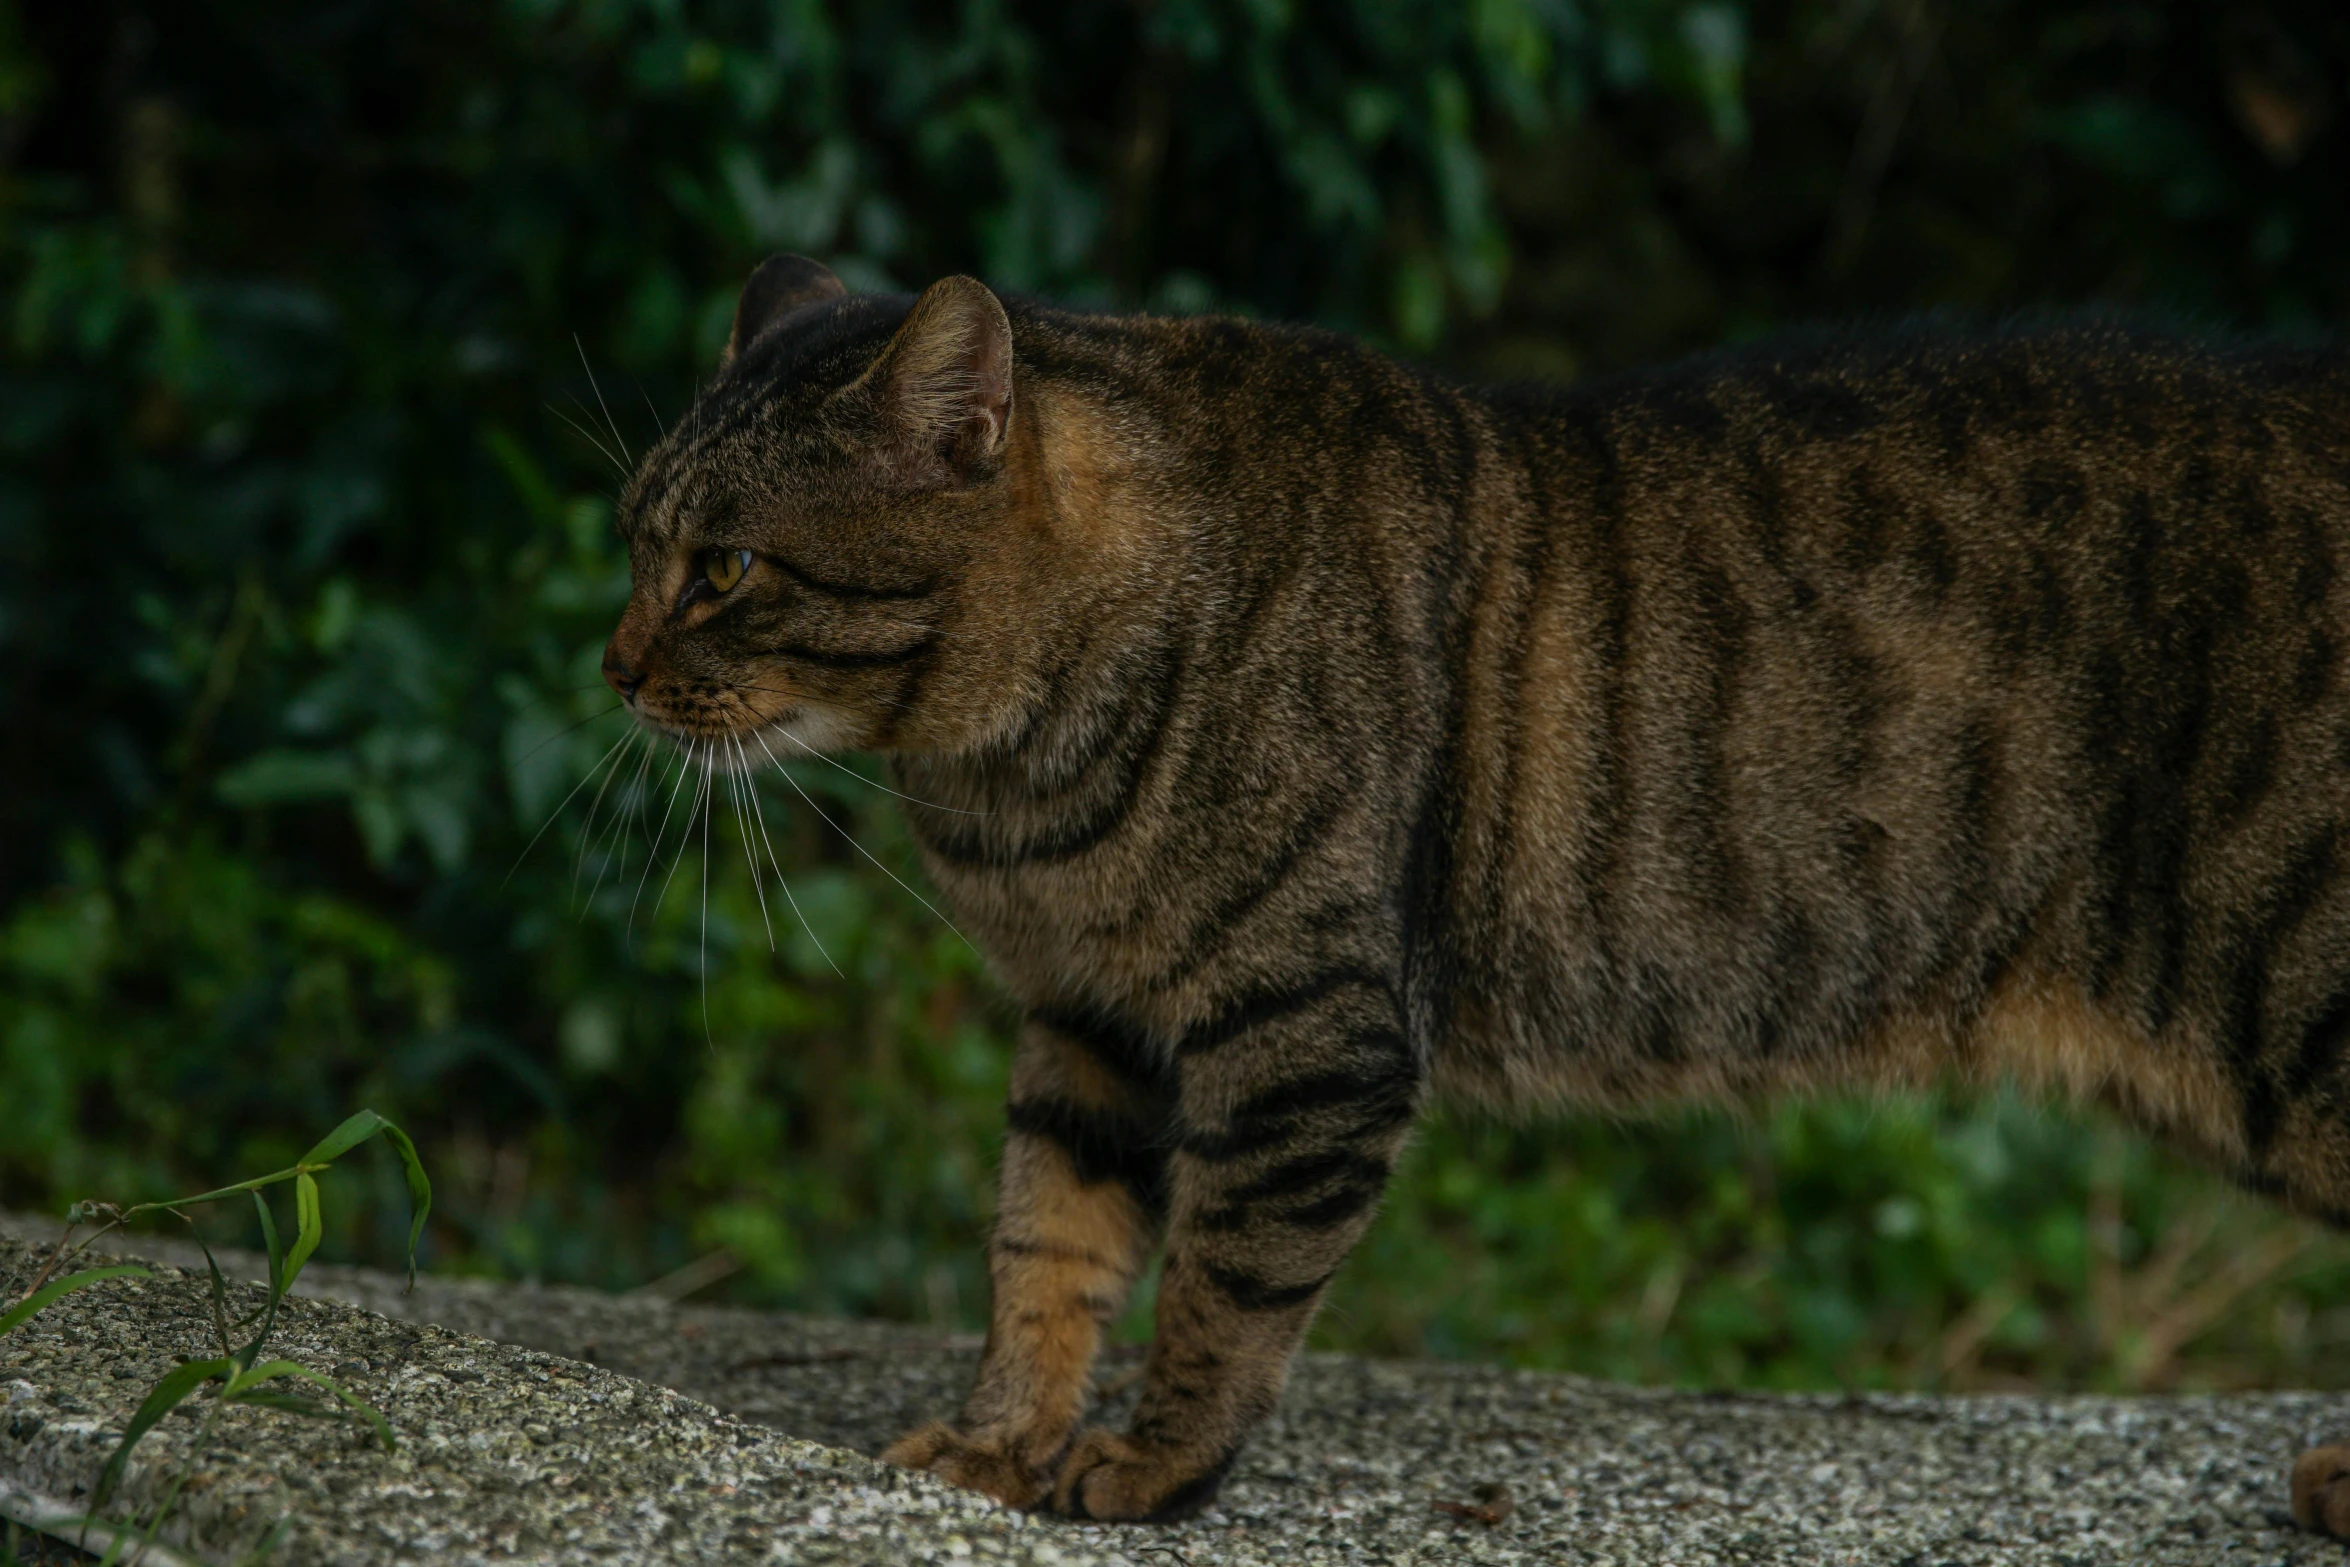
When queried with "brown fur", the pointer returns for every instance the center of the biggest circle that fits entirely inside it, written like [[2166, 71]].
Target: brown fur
[[1299, 735]]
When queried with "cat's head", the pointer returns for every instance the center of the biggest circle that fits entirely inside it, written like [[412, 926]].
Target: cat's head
[[806, 541]]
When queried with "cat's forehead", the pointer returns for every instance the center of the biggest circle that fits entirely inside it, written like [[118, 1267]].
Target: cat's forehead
[[763, 417], [820, 345], [669, 493]]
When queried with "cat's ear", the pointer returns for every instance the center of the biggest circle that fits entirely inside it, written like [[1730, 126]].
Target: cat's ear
[[779, 286], [943, 387]]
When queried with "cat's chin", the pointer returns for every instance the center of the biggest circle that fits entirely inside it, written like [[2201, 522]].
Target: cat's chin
[[806, 728], [802, 731]]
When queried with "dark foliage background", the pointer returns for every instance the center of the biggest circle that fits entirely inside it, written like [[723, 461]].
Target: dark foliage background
[[305, 557]]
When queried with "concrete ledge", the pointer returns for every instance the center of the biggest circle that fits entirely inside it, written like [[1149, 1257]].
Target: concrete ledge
[[560, 1425]]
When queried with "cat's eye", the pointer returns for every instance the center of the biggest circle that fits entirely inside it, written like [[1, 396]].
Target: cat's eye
[[722, 569]]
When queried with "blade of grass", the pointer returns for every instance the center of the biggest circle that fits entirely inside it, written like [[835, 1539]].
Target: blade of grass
[[274, 1178], [277, 1264], [309, 1229], [65, 1251], [268, 1544], [221, 1326], [344, 1138], [269, 1240], [24, 1310], [167, 1396], [419, 1192], [240, 1391], [288, 1403]]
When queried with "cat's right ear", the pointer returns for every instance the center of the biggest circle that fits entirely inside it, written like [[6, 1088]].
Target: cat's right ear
[[780, 285], [942, 388]]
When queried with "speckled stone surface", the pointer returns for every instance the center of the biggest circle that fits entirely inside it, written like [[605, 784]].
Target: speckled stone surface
[[548, 1424]]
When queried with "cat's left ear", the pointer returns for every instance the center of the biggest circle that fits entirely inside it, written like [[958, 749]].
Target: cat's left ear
[[780, 285], [943, 386]]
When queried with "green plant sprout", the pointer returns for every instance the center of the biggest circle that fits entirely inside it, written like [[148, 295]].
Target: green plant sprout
[[243, 1376]]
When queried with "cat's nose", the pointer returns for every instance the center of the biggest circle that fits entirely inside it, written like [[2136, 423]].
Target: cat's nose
[[620, 677]]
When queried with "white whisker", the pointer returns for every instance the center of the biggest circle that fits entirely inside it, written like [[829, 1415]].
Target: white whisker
[[587, 836], [593, 439], [653, 850], [660, 429], [709, 809], [931, 805], [685, 834], [558, 810], [854, 844], [617, 438], [797, 912], [632, 808], [742, 827]]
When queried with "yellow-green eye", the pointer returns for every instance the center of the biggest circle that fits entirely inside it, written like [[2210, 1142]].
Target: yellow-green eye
[[724, 568]]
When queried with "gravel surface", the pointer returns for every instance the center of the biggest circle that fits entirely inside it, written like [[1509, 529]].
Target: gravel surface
[[561, 1425]]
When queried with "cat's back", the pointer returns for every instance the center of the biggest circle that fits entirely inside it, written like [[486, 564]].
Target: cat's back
[[2014, 404]]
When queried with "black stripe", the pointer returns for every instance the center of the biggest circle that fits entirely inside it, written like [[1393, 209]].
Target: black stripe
[[1972, 780], [1212, 931], [1340, 1206], [1295, 1177], [1246, 625], [2309, 874], [1426, 894], [1719, 653], [2166, 825], [2249, 772], [1930, 557], [1359, 1180], [1260, 1007], [1854, 684], [1251, 1293], [1326, 1212], [825, 658], [2313, 667], [1117, 1043], [2105, 900], [1101, 1145], [852, 592], [1134, 730], [967, 844], [1058, 676], [900, 702], [1607, 793], [2321, 1044], [1388, 1092]]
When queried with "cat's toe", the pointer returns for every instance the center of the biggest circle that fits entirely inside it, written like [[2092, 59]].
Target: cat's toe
[[1116, 1479], [992, 1468], [2321, 1491]]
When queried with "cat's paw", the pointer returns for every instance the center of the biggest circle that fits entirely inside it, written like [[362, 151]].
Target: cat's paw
[[1116, 1479], [2321, 1491], [989, 1466]]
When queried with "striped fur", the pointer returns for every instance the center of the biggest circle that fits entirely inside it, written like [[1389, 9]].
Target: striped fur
[[1304, 735]]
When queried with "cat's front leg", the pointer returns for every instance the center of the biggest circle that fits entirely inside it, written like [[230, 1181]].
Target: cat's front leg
[[1079, 1202], [1289, 1122]]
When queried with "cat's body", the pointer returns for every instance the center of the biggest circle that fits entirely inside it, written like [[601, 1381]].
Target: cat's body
[[1301, 736]]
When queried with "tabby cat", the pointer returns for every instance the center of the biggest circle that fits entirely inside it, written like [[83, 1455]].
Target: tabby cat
[[1301, 735]]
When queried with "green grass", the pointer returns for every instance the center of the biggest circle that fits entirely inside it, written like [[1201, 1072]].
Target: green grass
[[239, 1374]]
